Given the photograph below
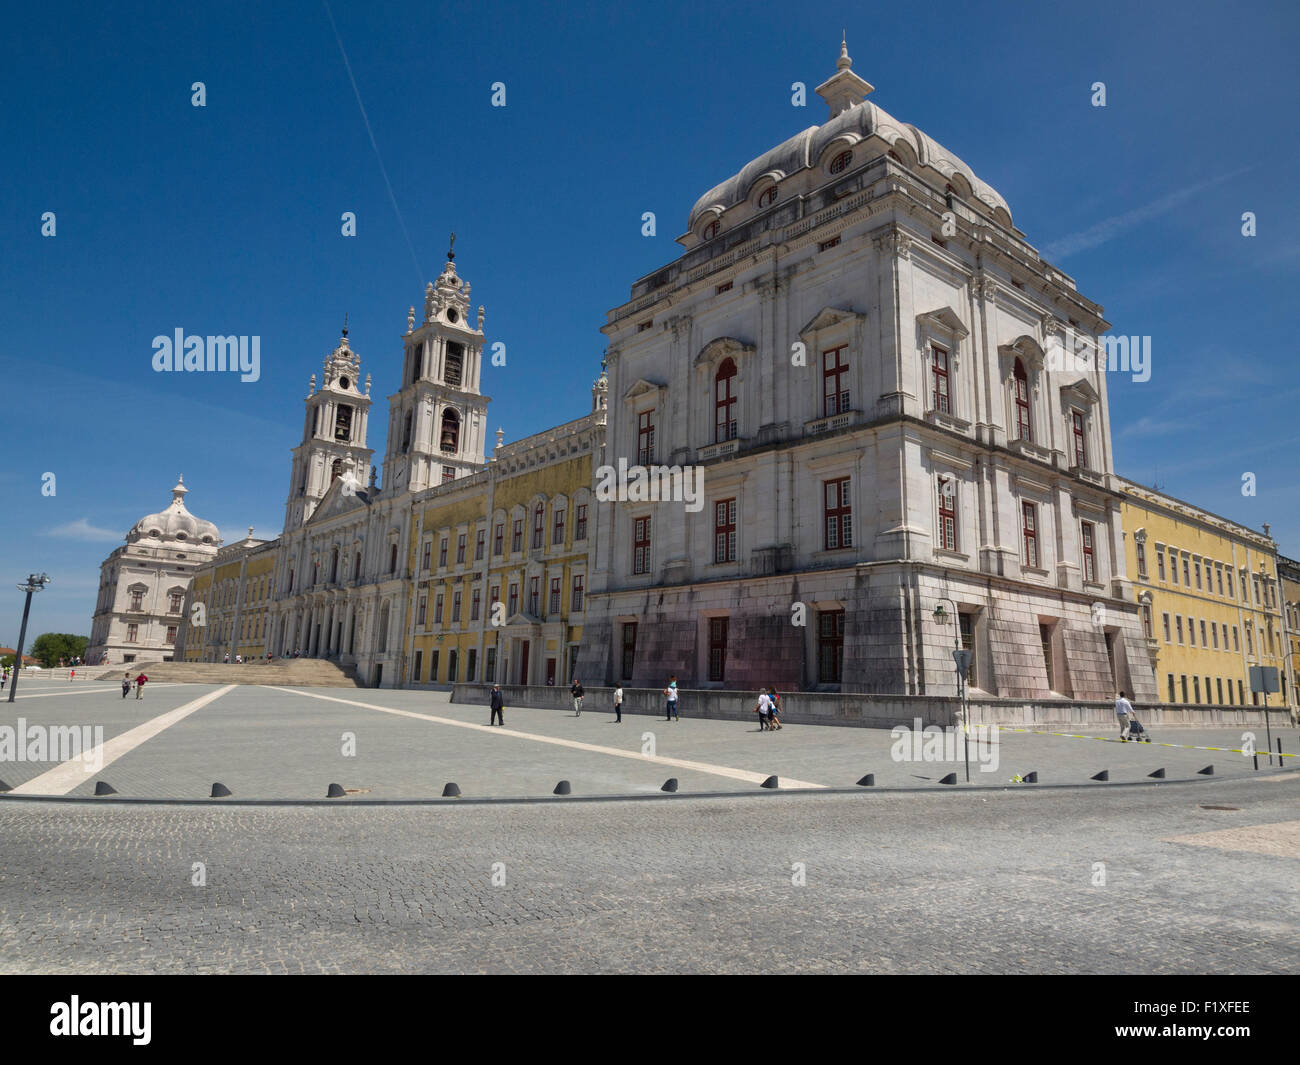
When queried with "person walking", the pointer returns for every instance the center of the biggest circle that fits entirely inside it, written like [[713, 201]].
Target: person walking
[[1124, 713], [577, 692], [126, 684], [140, 682], [670, 694], [774, 711], [763, 708], [618, 705], [498, 707]]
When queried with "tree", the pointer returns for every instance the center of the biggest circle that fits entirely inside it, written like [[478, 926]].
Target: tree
[[49, 647]]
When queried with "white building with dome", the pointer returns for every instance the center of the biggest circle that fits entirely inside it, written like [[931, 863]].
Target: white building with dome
[[853, 346], [142, 585]]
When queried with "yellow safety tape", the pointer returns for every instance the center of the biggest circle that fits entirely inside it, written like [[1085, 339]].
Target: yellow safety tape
[[1182, 746]]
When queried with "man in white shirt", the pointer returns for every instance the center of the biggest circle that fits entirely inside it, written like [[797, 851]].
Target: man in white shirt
[[1124, 712], [618, 704]]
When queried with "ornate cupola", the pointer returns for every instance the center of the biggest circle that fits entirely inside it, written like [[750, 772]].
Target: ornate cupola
[[333, 437], [438, 421], [844, 89]]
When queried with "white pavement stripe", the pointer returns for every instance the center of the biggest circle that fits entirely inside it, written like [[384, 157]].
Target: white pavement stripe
[[577, 745], [95, 691], [64, 777]]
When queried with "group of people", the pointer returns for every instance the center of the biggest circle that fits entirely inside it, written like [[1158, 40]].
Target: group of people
[[140, 681], [768, 710]]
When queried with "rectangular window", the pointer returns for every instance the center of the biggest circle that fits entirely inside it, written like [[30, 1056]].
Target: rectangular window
[[1173, 697], [1250, 639], [1141, 559], [534, 595], [580, 523], [539, 526], [576, 593], [1183, 683], [425, 556], [1147, 626], [448, 474], [455, 607], [1203, 643], [513, 606], [641, 545], [939, 373], [1160, 562], [966, 626], [557, 534], [417, 667], [1173, 566], [948, 513], [1227, 576], [1218, 577], [489, 665], [132, 633], [170, 638], [442, 553], [645, 438], [499, 539], [1214, 635], [1258, 600], [1080, 439], [1191, 632], [1178, 622], [629, 649], [494, 596], [517, 536], [1236, 640], [1029, 531], [475, 602], [1187, 572], [471, 665], [1196, 565], [837, 515], [437, 609], [835, 381], [830, 646], [717, 648], [554, 607], [724, 531], [137, 600], [1241, 693], [826, 245], [480, 545], [421, 610], [1089, 562], [453, 657], [1218, 685], [1196, 689], [1166, 622], [460, 549]]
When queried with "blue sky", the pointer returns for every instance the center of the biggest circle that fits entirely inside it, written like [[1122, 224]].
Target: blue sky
[[225, 219]]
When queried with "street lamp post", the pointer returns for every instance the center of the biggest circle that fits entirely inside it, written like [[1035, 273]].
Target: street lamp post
[[961, 661], [34, 583]]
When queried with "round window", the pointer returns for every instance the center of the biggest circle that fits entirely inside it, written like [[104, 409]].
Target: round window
[[841, 162], [343, 382], [768, 196], [452, 315], [711, 230]]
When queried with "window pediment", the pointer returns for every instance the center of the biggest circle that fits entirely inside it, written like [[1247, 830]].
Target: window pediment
[[642, 389], [944, 320], [721, 348], [1082, 392], [1026, 348], [828, 317]]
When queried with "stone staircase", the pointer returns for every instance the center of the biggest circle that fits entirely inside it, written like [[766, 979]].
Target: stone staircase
[[290, 672]]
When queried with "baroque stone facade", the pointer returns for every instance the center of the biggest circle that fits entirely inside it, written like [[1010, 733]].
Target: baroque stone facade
[[854, 345]]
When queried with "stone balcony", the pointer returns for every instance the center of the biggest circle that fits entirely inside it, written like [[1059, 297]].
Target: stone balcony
[[828, 424], [719, 450]]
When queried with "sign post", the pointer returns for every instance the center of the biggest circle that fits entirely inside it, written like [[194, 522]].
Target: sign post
[[1264, 679], [961, 659]]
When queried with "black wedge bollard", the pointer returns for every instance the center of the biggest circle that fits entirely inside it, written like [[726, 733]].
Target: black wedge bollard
[[102, 787], [1030, 778], [4, 787], [219, 791], [1255, 758], [670, 784], [335, 792], [1103, 775], [562, 788], [1208, 771], [1159, 774], [451, 791], [869, 781], [951, 778], [770, 783]]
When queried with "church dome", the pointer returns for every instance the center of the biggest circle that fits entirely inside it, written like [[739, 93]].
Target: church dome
[[853, 120], [175, 525]]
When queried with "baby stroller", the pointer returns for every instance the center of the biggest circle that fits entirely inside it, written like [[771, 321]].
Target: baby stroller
[[1137, 733]]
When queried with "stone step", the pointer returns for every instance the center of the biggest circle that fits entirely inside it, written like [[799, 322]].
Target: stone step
[[290, 672]]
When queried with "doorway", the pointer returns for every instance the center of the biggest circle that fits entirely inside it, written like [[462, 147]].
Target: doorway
[[524, 647], [550, 671]]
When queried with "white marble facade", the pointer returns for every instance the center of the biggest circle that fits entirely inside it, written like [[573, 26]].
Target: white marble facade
[[854, 346]]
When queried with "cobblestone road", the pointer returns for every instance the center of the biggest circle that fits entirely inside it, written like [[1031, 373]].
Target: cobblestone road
[[992, 881]]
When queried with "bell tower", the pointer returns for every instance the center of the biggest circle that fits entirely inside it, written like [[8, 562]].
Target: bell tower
[[437, 423], [333, 435]]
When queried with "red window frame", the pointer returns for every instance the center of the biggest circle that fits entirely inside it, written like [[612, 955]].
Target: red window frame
[[580, 522], [517, 535], [835, 381], [724, 531], [1024, 419], [717, 648], [1029, 533], [475, 602], [841, 162], [442, 553], [947, 514], [837, 515], [460, 549], [939, 369], [480, 545], [455, 607], [767, 196], [539, 525], [724, 402], [437, 609], [830, 646], [534, 595], [513, 607], [645, 438], [577, 592], [641, 545], [1080, 439], [1088, 536], [555, 596], [499, 540], [557, 536]]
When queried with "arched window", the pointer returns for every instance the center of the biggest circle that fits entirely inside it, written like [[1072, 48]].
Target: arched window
[[841, 162], [1024, 426], [767, 196], [724, 402], [711, 230], [450, 436], [334, 566]]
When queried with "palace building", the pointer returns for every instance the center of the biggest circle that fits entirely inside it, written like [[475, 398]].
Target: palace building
[[143, 585], [854, 345]]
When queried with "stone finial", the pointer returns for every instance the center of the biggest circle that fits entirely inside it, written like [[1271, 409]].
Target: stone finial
[[374, 476], [843, 89], [367, 384], [250, 532], [844, 62], [410, 320], [312, 388], [500, 436], [480, 317]]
